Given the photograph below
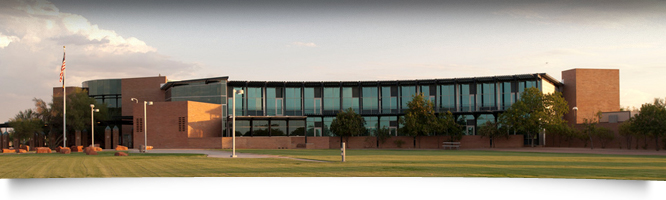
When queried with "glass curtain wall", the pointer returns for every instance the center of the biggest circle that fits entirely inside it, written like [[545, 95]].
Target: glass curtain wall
[[274, 101], [278, 128], [389, 99], [297, 127], [371, 124], [331, 99], [293, 102], [507, 95], [485, 96], [466, 98], [239, 102], [312, 101], [370, 100], [447, 98], [255, 104], [350, 98], [429, 93], [407, 93]]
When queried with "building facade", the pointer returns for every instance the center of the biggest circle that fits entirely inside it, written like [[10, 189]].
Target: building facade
[[196, 113]]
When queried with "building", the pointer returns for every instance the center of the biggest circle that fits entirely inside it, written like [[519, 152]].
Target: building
[[196, 113]]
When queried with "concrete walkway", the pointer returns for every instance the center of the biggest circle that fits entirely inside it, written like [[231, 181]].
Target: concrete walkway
[[209, 153]]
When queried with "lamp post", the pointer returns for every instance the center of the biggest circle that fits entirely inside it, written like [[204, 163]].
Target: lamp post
[[575, 109], [145, 126], [233, 122], [92, 123]]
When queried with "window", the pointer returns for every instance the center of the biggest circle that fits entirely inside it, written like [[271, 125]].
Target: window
[[467, 97], [312, 101], [296, 128], [407, 94], [370, 100], [274, 102], [350, 98], [293, 101], [331, 99], [239, 102], [255, 101], [485, 96], [139, 125], [182, 124], [447, 98], [507, 95], [389, 99]]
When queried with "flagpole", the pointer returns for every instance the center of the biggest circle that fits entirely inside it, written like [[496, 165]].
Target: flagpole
[[64, 102]]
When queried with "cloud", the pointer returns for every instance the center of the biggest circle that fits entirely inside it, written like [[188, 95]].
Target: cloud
[[32, 36], [303, 44]]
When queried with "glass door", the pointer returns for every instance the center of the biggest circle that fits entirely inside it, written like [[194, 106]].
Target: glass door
[[317, 132]]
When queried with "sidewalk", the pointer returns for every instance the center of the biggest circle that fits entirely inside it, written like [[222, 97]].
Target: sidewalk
[[209, 153], [650, 152]]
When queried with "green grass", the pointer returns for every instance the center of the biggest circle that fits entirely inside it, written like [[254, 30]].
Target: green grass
[[360, 163]]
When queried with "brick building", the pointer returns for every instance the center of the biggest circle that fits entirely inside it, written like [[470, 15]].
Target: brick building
[[196, 113]]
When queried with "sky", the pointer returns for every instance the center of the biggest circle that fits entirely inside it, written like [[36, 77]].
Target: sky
[[326, 41]]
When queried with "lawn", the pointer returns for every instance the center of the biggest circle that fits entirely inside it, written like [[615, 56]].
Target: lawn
[[360, 163]]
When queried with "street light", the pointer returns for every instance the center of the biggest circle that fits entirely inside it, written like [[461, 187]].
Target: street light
[[233, 123], [575, 109], [92, 123], [145, 125]]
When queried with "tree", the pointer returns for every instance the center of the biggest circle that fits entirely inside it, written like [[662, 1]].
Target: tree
[[590, 127], [447, 125], [493, 131], [382, 135], [605, 135], [651, 121], [627, 131], [419, 119], [535, 112], [78, 113], [348, 123], [24, 125]]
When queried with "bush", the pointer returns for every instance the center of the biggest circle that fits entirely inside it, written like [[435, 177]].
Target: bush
[[399, 143]]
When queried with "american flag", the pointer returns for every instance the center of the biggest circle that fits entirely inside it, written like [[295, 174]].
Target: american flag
[[62, 68]]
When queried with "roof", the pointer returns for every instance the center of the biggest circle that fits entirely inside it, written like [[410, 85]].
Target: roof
[[238, 83], [170, 84]]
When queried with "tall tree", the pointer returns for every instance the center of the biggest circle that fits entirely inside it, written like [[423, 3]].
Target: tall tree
[[493, 130], [348, 123], [590, 127], [447, 125], [651, 121], [25, 124], [419, 119], [627, 131], [535, 112]]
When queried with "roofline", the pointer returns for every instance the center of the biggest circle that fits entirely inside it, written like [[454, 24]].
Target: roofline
[[416, 81], [169, 84]]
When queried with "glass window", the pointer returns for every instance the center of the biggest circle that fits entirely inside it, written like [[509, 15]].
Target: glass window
[[371, 124], [260, 128], [407, 93], [239, 102], [242, 127], [255, 101], [370, 100], [485, 96], [293, 101], [428, 93], [327, 126], [198, 91], [331, 99], [314, 126], [466, 98], [390, 122], [297, 127], [274, 101], [482, 119], [312, 101], [389, 99], [507, 98], [278, 128], [350, 98], [447, 98]]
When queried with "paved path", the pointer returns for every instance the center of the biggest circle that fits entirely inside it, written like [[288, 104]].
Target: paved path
[[583, 150], [209, 153]]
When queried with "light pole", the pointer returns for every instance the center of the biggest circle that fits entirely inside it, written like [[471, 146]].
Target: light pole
[[233, 122], [92, 123], [575, 109], [145, 125]]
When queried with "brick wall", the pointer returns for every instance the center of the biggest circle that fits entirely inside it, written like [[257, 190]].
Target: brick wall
[[162, 125], [591, 90], [203, 120], [205, 143]]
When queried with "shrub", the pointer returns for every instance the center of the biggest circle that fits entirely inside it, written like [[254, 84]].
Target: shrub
[[399, 143]]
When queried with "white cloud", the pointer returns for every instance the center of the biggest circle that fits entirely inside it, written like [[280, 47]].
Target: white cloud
[[5, 40], [31, 38], [304, 44]]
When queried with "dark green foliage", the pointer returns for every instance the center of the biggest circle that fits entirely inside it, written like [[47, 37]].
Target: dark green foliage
[[535, 112], [493, 131], [651, 121], [24, 125], [447, 125], [348, 123], [382, 135]]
